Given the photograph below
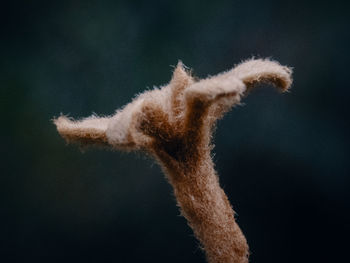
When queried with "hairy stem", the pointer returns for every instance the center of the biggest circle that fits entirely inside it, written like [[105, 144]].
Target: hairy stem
[[208, 212]]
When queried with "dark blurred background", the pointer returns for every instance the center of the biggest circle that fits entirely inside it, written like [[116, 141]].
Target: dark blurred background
[[282, 159]]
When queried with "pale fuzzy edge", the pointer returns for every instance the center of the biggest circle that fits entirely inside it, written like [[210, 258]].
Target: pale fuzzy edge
[[90, 130], [264, 70]]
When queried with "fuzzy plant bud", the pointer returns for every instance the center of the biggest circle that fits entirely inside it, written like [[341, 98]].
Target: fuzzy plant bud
[[174, 124]]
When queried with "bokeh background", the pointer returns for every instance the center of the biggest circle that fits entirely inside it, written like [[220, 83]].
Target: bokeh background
[[282, 159]]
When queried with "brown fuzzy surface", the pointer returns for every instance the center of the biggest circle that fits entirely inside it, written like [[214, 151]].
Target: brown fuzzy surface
[[174, 124]]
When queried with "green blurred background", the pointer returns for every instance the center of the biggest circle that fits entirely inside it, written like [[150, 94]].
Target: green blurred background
[[282, 159]]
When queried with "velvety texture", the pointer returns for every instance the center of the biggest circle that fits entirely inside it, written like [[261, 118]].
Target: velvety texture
[[174, 124]]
